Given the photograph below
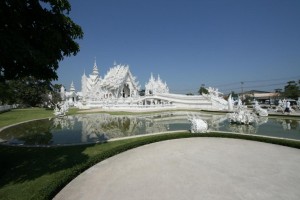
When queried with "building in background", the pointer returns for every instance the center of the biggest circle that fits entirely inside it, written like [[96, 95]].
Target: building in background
[[262, 97], [120, 89]]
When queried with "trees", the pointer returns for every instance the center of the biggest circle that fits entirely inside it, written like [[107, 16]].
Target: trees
[[28, 91], [189, 94], [202, 90], [35, 36], [291, 90], [55, 94], [6, 94], [234, 95]]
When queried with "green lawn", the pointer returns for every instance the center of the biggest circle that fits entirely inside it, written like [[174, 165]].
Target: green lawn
[[41, 172], [21, 115]]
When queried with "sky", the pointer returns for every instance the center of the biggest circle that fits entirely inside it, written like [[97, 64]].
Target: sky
[[232, 45]]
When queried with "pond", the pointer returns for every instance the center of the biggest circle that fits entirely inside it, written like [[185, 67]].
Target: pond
[[93, 128]]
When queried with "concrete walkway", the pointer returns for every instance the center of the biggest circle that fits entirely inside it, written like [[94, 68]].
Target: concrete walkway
[[193, 168]]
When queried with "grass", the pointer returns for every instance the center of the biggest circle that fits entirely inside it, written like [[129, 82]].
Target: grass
[[20, 115], [40, 173]]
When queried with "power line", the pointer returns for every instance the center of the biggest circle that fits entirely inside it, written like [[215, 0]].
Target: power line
[[254, 86], [225, 88], [256, 81], [294, 77]]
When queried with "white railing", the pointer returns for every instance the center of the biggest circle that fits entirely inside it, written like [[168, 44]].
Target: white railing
[[5, 108]]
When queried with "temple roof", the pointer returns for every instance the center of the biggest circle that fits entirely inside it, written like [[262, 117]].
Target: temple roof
[[155, 86], [117, 76], [72, 87]]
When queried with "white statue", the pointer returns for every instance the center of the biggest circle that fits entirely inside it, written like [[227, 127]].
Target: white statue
[[62, 93], [283, 104], [198, 125], [260, 111], [239, 104], [216, 97], [61, 109], [230, 103], [242, 116], [280, 107]]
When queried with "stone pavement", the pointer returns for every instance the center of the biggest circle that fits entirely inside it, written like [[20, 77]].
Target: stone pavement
[[193, 168]]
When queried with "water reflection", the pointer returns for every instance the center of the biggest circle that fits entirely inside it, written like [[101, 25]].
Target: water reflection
[[37, 132], [88, 128], [244, 128], [288, 124], [104, 126]]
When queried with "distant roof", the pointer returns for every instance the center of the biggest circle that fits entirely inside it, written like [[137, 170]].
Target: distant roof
[[260, 94], [255, 91], [266, 95]]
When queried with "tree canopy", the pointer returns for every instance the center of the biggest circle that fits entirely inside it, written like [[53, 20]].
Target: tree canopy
[[291, 90], [202, 90], [29, 91], [34, 36]]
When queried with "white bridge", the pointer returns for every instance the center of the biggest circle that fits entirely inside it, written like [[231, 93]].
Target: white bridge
[[166, 100]]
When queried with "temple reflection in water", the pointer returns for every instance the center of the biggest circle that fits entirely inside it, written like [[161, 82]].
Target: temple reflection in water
[[91, 128], [104, 126]]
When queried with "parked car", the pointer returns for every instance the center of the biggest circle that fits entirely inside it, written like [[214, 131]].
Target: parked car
[[292, 102]]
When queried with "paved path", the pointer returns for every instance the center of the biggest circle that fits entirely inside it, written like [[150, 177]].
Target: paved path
[[194, 168]]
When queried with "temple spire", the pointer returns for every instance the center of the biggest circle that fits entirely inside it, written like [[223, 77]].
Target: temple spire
[[151, 77], [72, 87], [95, 68]]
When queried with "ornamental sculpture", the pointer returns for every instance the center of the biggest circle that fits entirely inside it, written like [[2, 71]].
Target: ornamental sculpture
[[258, 110], [198, 125], [61, 109], [242, 116]]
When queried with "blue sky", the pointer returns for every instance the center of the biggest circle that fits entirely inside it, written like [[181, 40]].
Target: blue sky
[[219, 43]]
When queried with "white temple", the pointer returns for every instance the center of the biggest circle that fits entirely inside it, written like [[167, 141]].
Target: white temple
[[119, 89], [117, 83], [72, 97], [155, 86]]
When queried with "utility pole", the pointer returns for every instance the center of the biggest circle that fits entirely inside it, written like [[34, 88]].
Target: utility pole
[[242, 83]]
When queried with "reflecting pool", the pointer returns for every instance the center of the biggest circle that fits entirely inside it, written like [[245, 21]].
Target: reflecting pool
[[92, 128]]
